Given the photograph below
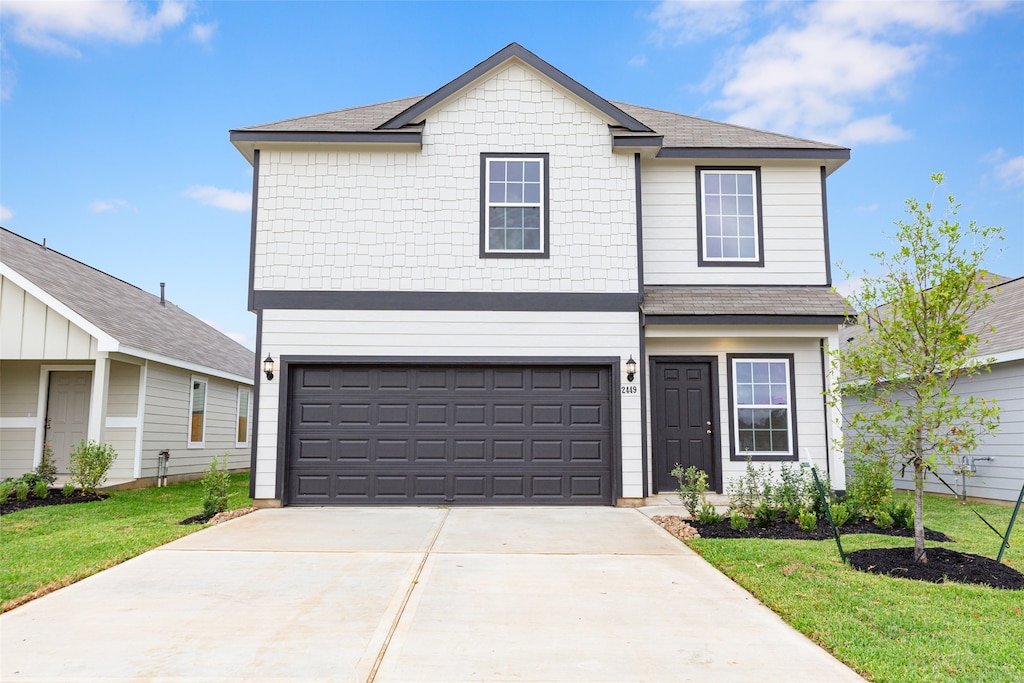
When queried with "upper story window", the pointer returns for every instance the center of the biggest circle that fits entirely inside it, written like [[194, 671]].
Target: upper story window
[[729, 217], [514, 206], [197, 413]]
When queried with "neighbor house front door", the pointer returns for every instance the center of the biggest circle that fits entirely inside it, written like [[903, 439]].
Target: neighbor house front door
[[67, 413], [684, 419]]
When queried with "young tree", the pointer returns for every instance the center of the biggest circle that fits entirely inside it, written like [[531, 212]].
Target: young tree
[[916, 335]]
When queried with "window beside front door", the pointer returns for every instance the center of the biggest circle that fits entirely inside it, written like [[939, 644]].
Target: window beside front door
[[761, 390], [242, 424], [514, 205], [197, 413], [729, 217]]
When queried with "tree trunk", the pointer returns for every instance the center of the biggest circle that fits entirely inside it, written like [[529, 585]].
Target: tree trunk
[[919, 472]]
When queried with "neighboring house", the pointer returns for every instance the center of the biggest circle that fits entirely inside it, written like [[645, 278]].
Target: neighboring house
[[451, 288], [84, 355], [995, 471]]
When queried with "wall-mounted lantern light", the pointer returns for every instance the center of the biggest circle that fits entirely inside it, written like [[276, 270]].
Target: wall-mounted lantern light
[[630, 368], [268, 367]]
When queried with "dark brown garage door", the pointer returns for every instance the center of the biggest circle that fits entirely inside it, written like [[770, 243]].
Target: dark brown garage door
[[449, 434]]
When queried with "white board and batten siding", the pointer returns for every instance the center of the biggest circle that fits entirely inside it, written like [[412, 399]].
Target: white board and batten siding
[[363, 335], [385, 220], [31, 330], [1001, 477], [167, 422], [793, 226], [813, 434]]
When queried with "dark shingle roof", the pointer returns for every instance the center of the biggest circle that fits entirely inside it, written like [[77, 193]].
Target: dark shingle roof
[[1005, 312], [130, 315], [351, 120], [743, 301]]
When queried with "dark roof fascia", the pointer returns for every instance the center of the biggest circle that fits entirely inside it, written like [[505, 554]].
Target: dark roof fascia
[[841, 154], [655, 319], [373, 137], [637, 141], [515, 50]]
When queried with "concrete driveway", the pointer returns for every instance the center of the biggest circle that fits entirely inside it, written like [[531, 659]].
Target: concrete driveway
[[412, 594]]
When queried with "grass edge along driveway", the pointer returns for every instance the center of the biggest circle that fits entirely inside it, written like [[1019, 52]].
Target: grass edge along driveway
[[47, 548], [890, 629]]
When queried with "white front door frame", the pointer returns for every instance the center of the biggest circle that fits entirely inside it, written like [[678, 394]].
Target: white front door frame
[[44, 396]]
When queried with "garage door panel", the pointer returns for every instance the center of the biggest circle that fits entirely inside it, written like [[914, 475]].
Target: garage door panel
[[449, 434]]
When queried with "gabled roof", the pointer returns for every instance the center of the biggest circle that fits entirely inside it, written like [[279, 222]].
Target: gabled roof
[[672, 135], [696, 304], [127, 318]]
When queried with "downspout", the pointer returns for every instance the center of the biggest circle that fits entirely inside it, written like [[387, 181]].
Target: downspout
[[642, 361]]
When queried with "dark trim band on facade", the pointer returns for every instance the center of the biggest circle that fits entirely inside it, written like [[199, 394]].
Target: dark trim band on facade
[[524, 55], [744, 319], [619, 141], [824, 224], [752, 153], [252, 235], [369, 137], [445, 301]]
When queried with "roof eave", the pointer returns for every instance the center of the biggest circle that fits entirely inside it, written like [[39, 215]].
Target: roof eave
[[245, 141]]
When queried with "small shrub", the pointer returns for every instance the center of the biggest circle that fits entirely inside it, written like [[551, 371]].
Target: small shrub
[[67, 490], [47, 467], [41, 490], [21, 489], [693, 484], [215, 487], [89, 463], [793, 512], [739, 523], [6, 489], [808, 520], [765, 515], [882, 519], [749, 490], [902, 514], [817, 505], [840, 512], [708, 514], [870, 487]]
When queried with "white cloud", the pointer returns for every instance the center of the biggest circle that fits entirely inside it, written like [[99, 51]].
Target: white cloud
[[108, 205], [1011, 171], [824, 64], [638, 61], [203, 33], [692, 20], [5, 213], [215, 196], [850, 287], [52, 25], [870, 208]]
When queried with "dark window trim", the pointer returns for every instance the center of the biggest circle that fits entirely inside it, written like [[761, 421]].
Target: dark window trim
[[612, 363], [733, 454], [701, 261], [545, 212]]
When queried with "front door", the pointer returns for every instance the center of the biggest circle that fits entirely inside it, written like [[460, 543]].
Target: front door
[[684, 424], [67, 413]]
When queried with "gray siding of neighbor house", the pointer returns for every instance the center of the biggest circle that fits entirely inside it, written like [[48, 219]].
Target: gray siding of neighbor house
[[167, 422], [1002, 477]]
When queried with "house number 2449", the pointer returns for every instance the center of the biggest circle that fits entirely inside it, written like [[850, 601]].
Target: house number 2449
[[629, 389]]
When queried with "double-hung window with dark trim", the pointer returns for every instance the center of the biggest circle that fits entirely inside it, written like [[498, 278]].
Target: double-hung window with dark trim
[[762, 391], [514, 205], [729, 217]]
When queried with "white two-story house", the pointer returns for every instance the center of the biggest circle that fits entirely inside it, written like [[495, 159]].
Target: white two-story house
[[512, 290]]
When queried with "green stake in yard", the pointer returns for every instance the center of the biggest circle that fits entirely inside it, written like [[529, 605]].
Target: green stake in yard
[[1013, 518], [828, 513]]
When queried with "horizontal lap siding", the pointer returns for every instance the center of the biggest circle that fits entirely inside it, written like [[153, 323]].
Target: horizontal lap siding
[[17, 451], [167, 420], [794, 245], [810, 416], [436, 335]]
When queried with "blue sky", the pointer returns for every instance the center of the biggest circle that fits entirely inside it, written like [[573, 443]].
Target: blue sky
[[114, 115]]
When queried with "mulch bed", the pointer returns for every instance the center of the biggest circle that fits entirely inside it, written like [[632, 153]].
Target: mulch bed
[[55, 498], [943, 566], [789, 531]]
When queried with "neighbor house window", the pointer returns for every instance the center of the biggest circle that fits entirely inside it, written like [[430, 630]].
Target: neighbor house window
[[242, 428], [513, 220], [761, 392], [729, 216], [197, 413]]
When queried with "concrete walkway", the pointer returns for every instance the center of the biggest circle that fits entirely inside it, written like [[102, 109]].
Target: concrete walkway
[[412, 595]]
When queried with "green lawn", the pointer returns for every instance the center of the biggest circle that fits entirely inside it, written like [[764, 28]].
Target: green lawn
[[892, 629], [44, 548]]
